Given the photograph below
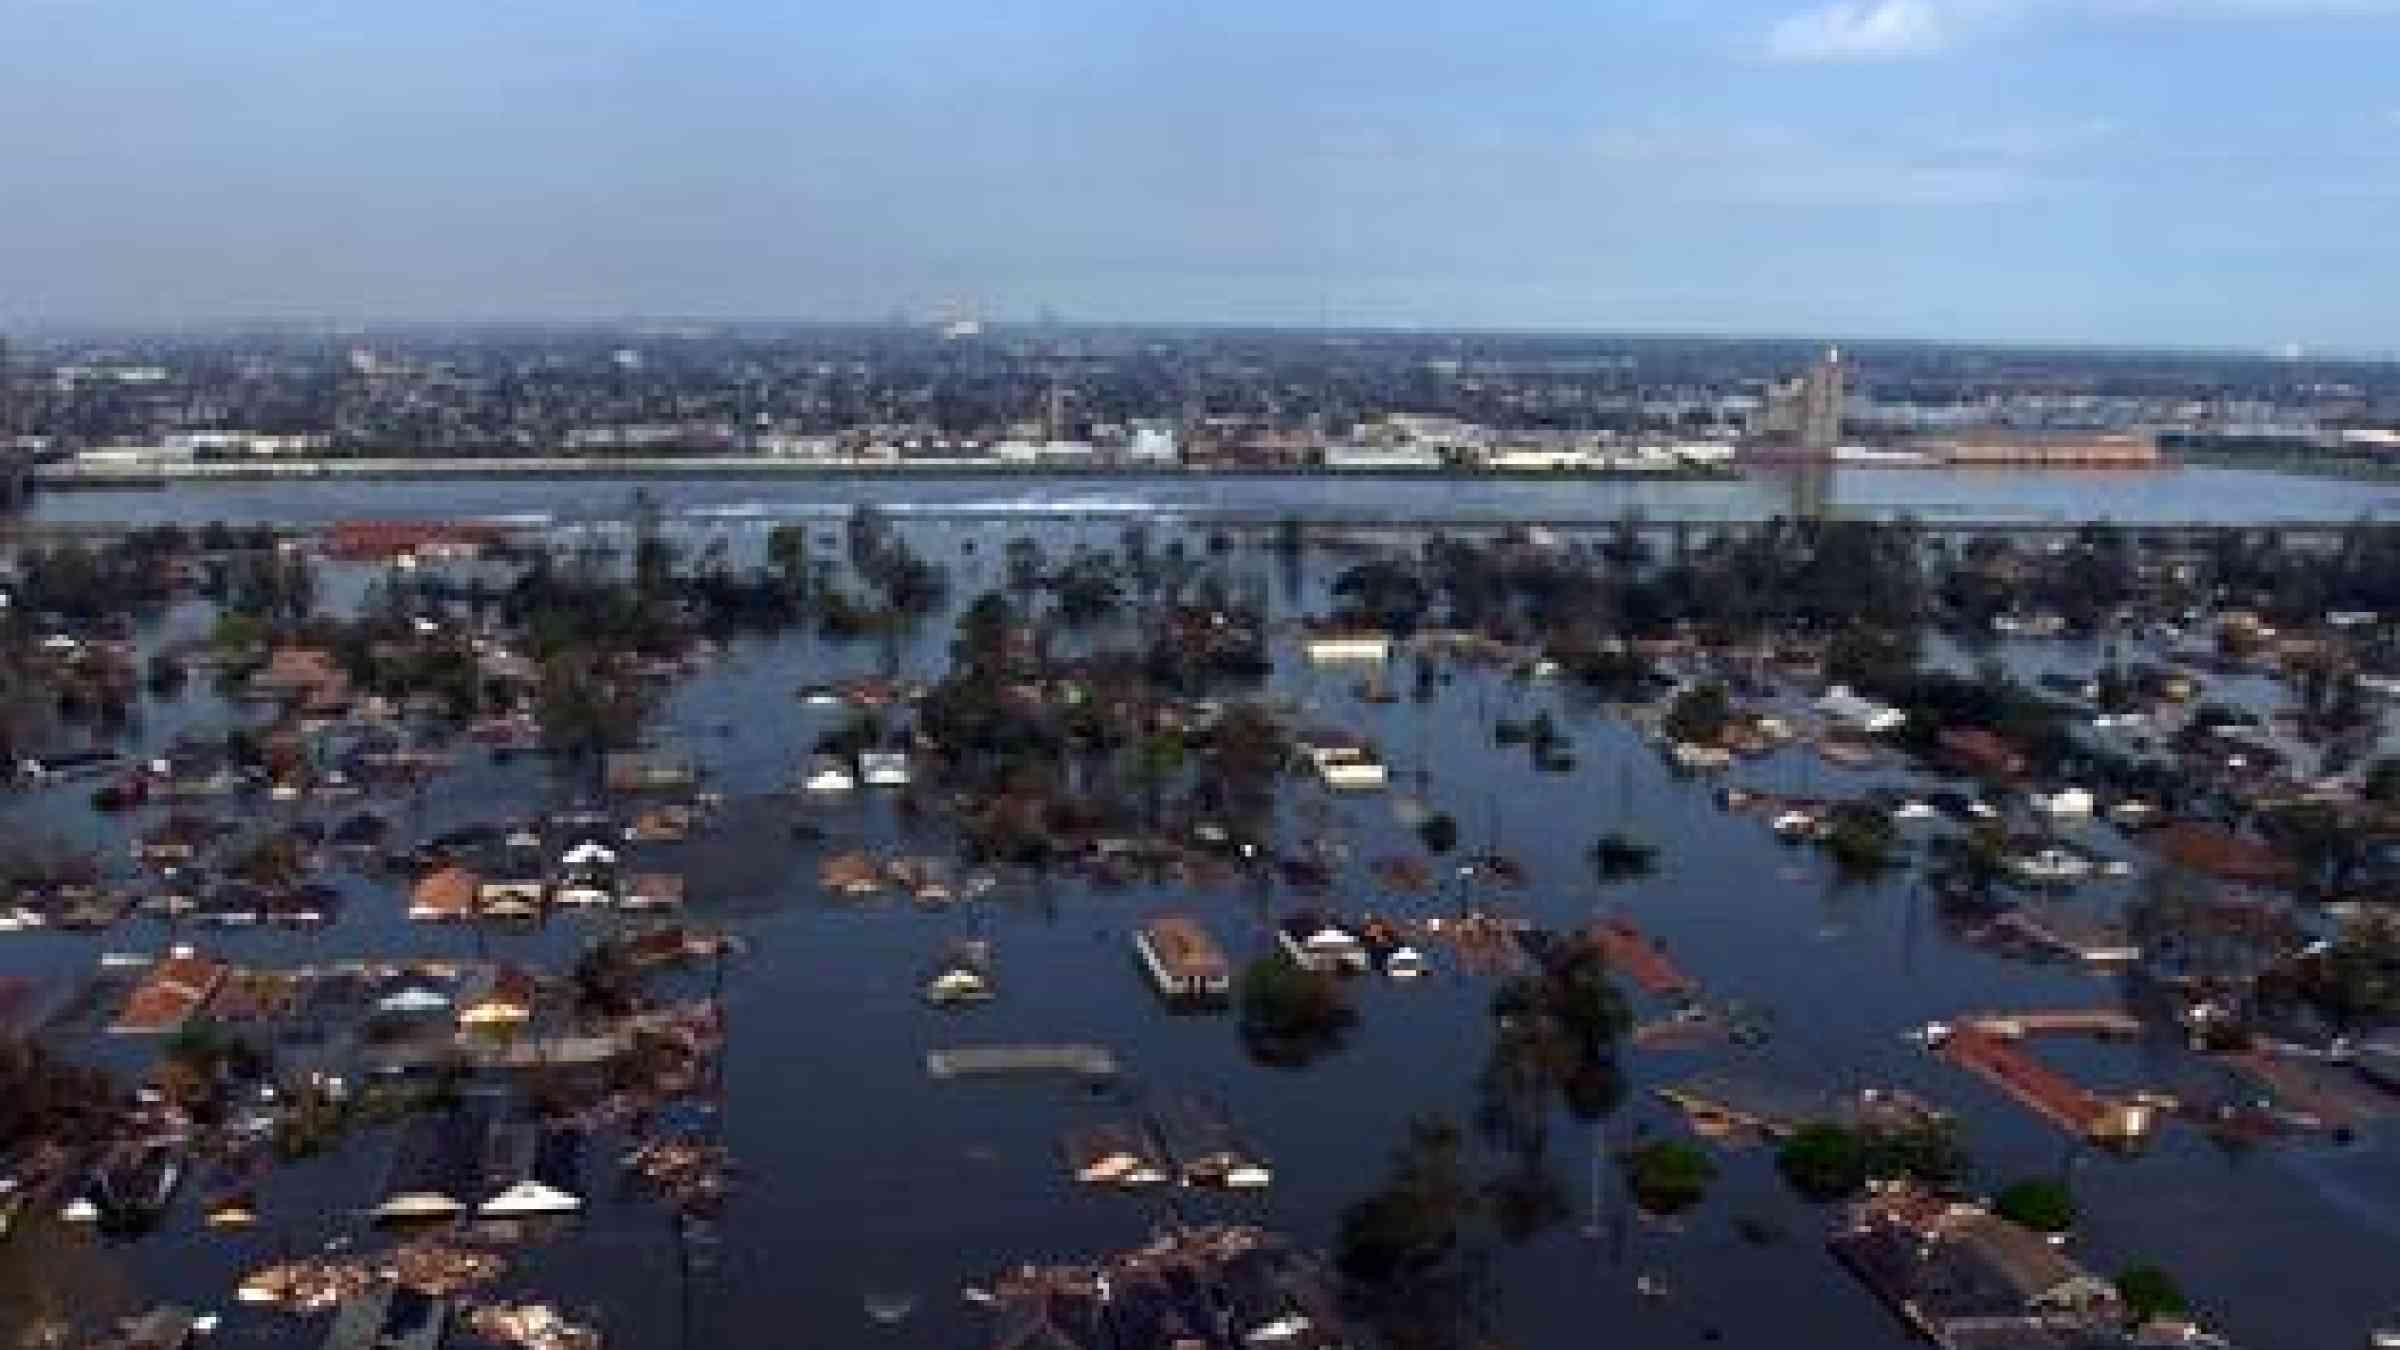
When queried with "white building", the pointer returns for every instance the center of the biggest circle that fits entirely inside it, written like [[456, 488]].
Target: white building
[[883, 768], [792, 445], [1382, 457], [1544, 459], [1152, 443], [1337, 648], [1351, 768], [1702, 452], [1043, 452], [1865, 714]]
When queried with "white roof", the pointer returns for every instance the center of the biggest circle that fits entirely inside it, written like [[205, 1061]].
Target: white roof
[[531, 1197]]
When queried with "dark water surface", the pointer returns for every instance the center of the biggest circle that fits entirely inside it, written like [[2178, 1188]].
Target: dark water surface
[[863, 1179]]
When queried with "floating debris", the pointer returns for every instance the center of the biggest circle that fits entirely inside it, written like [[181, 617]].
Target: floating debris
[[691, 1175], [315, 1284], [534, 1326], [1276, 1294]]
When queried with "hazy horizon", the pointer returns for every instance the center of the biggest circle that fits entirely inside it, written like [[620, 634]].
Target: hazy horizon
[[2179, 174], [681, 327]]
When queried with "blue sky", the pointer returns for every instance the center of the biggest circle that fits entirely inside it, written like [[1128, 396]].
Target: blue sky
[[2202, 172]]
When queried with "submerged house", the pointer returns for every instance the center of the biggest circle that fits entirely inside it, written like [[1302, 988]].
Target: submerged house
[[1720, 1103], [444, 896], [170, 993], [1348, 648], [961, 974], [1184, 962], [652, 890], [1314, 942], [1205, 1147], [827, 775], [529, 1170], [512, 897], [437, 1167], [389, 1317], [477, 1159], [1848, 708], [1962, 1276], [2072, 933], [1113, 1155], [498, 996], [649, 771], [883, 768]]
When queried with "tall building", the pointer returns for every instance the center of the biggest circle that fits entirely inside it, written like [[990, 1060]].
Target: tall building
[[1805, 414], [1821, 393]]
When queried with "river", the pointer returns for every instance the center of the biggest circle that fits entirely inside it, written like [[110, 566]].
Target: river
[[1933, 495]]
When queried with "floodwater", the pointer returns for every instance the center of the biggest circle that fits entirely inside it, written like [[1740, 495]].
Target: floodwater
[[865, 1182]]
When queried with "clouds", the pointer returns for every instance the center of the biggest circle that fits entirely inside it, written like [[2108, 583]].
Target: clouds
[[1863, 30], [1894, 30]]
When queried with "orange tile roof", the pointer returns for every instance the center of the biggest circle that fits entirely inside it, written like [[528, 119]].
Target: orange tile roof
[[449, 891]]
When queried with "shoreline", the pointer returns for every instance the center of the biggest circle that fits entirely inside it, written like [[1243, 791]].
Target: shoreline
[[73, 478]]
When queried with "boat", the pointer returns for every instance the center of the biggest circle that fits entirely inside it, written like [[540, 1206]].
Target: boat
[[1404, 963]]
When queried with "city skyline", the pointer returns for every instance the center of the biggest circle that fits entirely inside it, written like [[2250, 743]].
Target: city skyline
[[2179, 173]]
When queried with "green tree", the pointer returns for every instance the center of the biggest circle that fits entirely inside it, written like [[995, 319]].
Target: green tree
[[2043, 1204], [1824, 1161], [584, 708], [1291, 1016], [1699, 714], [1407, 1253], [1620, 857], [1668, 1176], [787, 553], [1439, 832], [2149, 1291], [1861, 839]]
